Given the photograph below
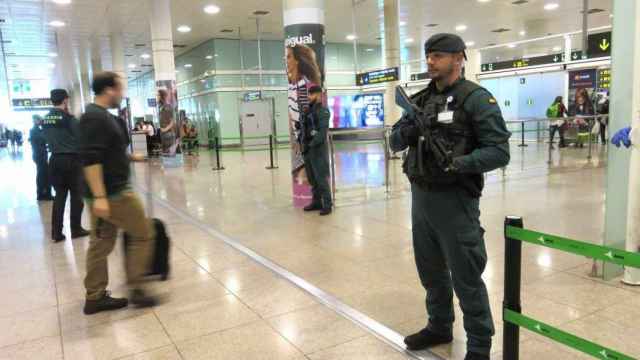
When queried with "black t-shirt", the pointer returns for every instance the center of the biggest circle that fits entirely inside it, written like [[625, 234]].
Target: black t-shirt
[[104, 141]]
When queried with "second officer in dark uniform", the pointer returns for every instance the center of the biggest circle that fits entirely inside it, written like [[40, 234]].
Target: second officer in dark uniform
[[65, 168], [316, 152], [41, 158], [448, 239]]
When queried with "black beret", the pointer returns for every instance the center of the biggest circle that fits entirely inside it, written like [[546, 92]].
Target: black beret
[[59, 95], [447, 43]]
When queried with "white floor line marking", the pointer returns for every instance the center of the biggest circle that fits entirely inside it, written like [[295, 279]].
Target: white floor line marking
[[387, 335]]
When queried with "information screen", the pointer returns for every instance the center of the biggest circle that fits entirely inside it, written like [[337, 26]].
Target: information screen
[[356, 111]]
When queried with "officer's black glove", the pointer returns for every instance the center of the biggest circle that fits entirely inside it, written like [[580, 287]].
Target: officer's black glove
[[410, 134]]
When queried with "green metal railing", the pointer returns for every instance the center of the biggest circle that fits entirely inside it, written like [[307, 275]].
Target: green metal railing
[[513, 318]]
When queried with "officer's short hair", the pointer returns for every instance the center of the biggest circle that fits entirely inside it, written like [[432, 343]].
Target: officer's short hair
[[315, 89], [104, 80], [58, 96]]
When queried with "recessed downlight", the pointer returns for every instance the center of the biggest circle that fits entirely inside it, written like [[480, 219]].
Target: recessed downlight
[[62, 2], [209, 57], [52, 55], [188, 66], [184, 28], [409, 40], [57, 23], [402, 23], [145, 56], [522, 33], [470, 43], [351, 37], [211, 9], [132, 66], [369, 50], [511, 46], [461, 28], [551, 6], [51, 65]]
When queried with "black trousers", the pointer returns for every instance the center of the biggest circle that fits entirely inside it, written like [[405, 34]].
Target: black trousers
[[603, 132], [559, 129], [316, 164], [67, 179], [43, 183]]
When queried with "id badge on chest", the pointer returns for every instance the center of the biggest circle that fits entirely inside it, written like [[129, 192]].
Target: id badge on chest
[[446, 116]]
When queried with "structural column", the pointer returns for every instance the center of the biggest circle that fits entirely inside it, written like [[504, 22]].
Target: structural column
[[165, 73], [117, 57], [84, 58], [622, 221], [305, 42], [392, 58], [473, 64]]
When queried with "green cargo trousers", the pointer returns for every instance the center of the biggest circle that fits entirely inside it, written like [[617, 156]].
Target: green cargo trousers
[[450, 255], [127, 213], [316, 164]]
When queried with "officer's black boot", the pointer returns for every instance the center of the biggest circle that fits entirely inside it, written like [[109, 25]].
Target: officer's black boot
[[106, 303], [140, 299], [426, 339], [79, 233], [476, 356], [314, 206]]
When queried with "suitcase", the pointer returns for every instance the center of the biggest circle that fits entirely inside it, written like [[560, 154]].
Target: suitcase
[[160, 257]]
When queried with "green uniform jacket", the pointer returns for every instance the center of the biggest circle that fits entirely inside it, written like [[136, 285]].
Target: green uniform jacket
[[489, 127], [318, 128]]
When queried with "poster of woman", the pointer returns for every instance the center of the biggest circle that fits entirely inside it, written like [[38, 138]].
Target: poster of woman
[[304, 57]]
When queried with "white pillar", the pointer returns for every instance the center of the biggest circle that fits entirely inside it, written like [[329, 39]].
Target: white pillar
[[86, 76], [162, 40], [472, 65], [392, 59], [622, 219], [568, 47], [117, 57]]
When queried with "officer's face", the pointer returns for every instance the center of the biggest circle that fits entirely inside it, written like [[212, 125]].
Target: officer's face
[[441, 65]]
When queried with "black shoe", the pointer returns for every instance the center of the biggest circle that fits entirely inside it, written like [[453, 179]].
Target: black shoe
[[476, 356], [313, 207], [78, 233], [107, 303], [325, 211], [59, 238], [45, 198], [141, 300], [426, 339]]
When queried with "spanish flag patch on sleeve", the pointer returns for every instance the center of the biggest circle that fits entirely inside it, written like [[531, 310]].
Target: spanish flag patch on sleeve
[[492, 101]]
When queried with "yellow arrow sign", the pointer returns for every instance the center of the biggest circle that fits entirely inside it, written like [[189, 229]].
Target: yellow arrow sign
[[604, 45]]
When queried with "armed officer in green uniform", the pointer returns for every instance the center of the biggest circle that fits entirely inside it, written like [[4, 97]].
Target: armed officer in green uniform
[[60, 131], [456, 135], [316, 153]]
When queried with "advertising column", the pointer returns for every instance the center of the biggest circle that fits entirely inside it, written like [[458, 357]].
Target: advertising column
[[304, 54], [165, 73]]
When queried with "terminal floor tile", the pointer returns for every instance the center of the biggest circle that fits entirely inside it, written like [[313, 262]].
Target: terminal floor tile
[[221, 304]]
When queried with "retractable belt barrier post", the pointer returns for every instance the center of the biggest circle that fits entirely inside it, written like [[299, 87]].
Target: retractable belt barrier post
[[513, 319], [271, 142], [522, 144], [217, 147]]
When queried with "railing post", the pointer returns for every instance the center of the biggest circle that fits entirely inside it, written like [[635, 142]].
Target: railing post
[[522, 144], [217, 147], [512, 279], [271, 165]]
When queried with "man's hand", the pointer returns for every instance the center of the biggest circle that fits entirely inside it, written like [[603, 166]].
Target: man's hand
[[410, 134], [137, 157], [101, 208], [622, 137]]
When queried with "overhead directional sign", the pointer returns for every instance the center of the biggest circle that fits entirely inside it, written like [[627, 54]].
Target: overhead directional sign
[[600, 45], [604, 79], [378, 76], [525, 62], [27, 104]]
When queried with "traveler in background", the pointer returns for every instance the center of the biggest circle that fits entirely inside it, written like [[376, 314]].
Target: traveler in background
[[316, 152], [41, 158], [11, 137], [583, 108], [167, 123], [17, 134], [603, 109], [556, 112], [60, 131], [113, 204]]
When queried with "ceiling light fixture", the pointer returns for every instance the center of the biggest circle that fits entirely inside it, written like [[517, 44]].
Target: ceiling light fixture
[[402, 23], [132, 66], [351, 37], [145, 56], [184, 29], [211, 9], [470, 43], [369, 50], [51, 66], [188, 66], [62, 2], [523, 33], [511, 46], [409, 41], [551, 6], [483, 1], [461, 28], [208, 57], [52, 55], [57, 23]]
